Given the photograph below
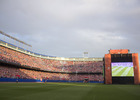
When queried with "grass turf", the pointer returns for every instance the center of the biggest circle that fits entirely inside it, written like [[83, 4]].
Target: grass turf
[[68, 91]]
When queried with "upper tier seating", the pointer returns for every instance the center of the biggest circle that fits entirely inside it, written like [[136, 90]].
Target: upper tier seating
[[50, 65]]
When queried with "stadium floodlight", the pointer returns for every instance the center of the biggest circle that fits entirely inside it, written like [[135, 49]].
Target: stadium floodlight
[[85, 55], [15, 39]]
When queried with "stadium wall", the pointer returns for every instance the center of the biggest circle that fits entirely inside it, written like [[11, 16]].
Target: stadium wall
[[136, 68], [108, 77]]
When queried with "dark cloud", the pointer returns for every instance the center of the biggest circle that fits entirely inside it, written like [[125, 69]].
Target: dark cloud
[[70, 27]]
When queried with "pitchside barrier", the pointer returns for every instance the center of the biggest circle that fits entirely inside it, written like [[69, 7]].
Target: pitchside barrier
[[35, 80]]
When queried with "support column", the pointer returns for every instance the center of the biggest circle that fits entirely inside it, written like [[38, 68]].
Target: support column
[[135, 60], [108, 75]]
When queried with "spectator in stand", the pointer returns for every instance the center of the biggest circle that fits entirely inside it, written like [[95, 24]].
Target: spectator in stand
[[11, 56]]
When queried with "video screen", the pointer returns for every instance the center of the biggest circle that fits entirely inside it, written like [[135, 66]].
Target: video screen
[[122, 69]]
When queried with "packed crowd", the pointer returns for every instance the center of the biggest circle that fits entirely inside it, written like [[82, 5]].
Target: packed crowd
[[11, 72], [50, 65], [11, 56]]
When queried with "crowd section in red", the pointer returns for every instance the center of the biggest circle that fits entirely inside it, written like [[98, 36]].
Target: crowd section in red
[[9, 72], [50, 65], [12, 56]]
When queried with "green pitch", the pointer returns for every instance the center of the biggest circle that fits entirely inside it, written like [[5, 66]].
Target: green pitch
[[122, 71], [68, 91]]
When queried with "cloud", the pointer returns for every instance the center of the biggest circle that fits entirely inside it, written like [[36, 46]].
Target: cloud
[[70, 27]]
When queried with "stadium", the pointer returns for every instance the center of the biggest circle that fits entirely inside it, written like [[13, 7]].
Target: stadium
[[69, 50], [29, 75]]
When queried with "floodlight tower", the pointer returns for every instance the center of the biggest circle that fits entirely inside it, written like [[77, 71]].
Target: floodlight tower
[[85, 54]]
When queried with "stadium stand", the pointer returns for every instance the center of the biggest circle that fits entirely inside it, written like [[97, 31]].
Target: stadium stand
[[28, 65]]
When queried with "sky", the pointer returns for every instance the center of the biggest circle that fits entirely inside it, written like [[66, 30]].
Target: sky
[[67, 28]]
